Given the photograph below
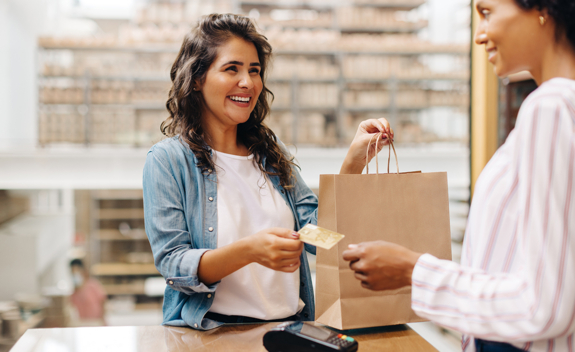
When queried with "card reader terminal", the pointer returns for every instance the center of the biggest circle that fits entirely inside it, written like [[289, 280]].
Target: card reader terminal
[[305, 337]]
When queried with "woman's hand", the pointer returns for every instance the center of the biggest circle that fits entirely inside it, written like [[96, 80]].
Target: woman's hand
[[381, 265], [355, 159], [276, 248]]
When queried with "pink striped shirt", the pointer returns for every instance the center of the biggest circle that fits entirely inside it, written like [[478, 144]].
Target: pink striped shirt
[[516, 281]]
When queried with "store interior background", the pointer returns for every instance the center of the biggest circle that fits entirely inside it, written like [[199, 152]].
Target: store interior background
[[83, 85]]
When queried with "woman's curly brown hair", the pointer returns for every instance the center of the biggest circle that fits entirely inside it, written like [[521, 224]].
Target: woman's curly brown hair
[[198, 52]]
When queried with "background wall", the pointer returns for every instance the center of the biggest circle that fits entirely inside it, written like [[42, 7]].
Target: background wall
[[20, 21]]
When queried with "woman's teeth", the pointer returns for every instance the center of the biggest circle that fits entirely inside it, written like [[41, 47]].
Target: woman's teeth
[[240, 99]]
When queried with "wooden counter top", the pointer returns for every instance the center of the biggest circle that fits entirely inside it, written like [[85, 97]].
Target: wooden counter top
[[246, 337]]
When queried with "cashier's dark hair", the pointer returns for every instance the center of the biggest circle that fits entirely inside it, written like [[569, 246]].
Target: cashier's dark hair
[[77, 262], [561, 11], [198, 52]]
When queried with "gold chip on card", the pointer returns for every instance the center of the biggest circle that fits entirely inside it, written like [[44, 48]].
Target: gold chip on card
[[318, 236]]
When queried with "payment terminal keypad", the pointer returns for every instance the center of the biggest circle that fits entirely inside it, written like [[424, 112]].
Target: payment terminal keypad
[[341, 340]]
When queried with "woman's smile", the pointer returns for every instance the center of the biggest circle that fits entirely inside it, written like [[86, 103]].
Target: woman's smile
[[240, 100], [492, 55]]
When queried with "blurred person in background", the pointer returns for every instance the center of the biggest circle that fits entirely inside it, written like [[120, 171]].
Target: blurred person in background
[[222, 196], [89, 296], [514, 289]]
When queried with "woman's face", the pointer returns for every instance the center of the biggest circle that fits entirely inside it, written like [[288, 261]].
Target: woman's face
[[232, 84], [513, 37]]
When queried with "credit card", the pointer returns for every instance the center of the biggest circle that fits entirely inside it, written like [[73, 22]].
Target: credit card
[[318, 236]]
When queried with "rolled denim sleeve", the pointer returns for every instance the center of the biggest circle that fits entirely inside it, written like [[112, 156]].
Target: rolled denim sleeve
[[166, 227]]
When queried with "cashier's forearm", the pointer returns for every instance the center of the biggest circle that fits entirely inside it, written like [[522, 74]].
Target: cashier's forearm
[[221, 262]]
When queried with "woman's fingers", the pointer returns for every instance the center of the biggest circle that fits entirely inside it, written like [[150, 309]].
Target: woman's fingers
[[290, 246], [288, 249], [281, 232], [373, 126], [290, 261], [360, 276], [387, 127], [380, 125], [352, 254], [369, 128], [383, 125], [290, 268], [286, 240]]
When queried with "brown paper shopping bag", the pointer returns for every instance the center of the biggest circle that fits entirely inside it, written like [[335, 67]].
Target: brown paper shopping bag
[[410, 209]]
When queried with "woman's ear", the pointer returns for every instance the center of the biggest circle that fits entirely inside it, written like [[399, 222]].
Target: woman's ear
[[543, 16], [196, 87]]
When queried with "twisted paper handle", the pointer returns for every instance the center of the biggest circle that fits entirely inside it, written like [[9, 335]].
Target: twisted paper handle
[[390, 145]]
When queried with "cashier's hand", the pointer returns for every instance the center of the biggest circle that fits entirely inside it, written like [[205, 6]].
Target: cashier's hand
[[355, 159], [381, 265]]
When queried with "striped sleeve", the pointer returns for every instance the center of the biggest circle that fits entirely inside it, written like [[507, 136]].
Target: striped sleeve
[[538, 300]]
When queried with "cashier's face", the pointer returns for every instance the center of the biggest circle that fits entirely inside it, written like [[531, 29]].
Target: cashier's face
[[513, 37], [232, 84]]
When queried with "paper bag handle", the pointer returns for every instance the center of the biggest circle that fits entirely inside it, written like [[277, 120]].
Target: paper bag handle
[[390, 145]]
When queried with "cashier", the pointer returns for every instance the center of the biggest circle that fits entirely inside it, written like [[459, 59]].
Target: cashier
[[514, 289], [222, 195]]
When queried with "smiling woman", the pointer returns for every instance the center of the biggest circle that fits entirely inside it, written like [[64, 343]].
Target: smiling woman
[[231, 90], [222, 196], [198, 81], [514, 289]]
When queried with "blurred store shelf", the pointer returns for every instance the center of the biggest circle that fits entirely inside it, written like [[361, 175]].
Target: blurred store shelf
[[123, 269], [114, 214], [392, 4], [117, 235], [335, 64], [445, 49]]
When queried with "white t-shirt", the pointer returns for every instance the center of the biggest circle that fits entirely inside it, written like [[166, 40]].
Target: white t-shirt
[[248, 203]]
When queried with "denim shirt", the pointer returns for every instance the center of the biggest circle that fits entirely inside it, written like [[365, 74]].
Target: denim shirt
[[181, 220]]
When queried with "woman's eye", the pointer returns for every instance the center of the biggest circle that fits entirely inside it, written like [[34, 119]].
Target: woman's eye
[[232, 68], [256, 71]]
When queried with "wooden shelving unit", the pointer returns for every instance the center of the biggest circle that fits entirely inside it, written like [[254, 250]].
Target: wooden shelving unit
[[120, 254], [119, 214], [135, 288], [123, 269], [116, 235]]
